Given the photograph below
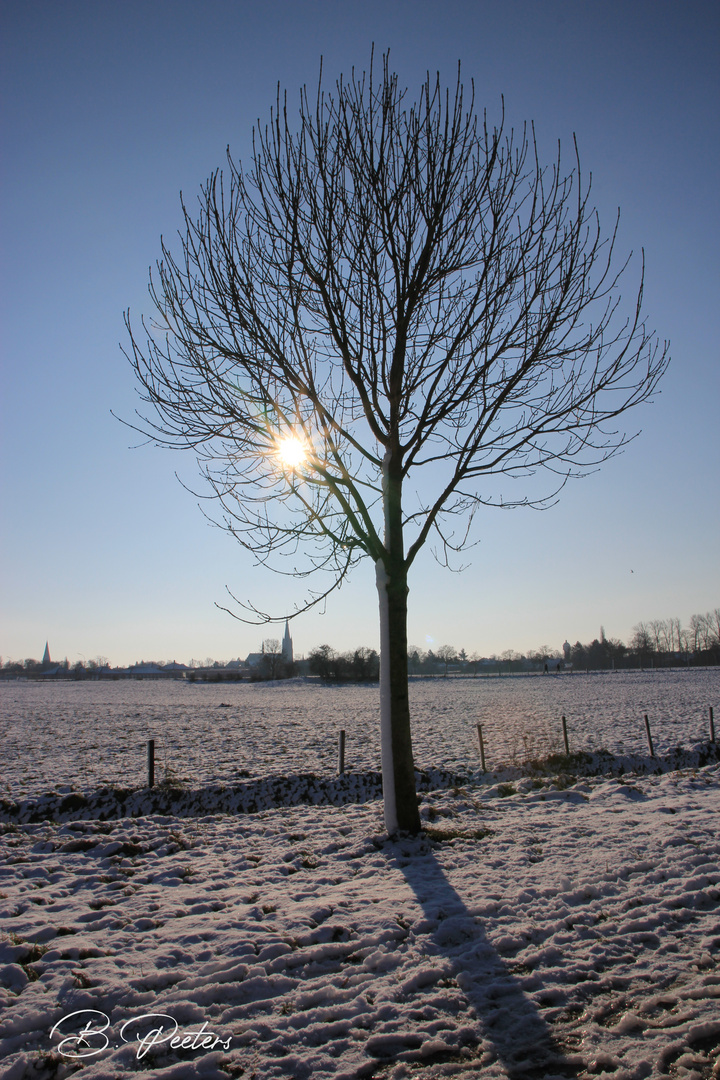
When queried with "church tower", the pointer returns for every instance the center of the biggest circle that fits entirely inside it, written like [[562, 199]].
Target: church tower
[[287, 645], [46, 661]]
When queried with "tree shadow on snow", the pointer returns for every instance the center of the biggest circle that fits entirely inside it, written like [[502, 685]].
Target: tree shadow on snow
[[510, 1022]]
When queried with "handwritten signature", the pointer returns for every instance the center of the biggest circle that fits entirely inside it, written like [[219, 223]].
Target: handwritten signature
[[148, 1030]]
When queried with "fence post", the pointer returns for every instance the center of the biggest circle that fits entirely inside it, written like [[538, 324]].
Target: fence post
[[712, 725], [151, 762], [649, 736], [565, 738], [341, 752], [481, 744]]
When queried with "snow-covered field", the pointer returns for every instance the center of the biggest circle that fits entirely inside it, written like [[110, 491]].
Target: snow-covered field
[[552, 925], [558, 931], [95, 734]]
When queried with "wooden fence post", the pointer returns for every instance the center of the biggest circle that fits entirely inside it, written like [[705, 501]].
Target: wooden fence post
[[341, 752], [712, 725], [565, 738], [151, 762], [481, 744], [649, 736]]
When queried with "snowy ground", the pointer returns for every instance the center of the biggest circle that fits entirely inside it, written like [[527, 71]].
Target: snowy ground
[[541, 927], [93, 734]]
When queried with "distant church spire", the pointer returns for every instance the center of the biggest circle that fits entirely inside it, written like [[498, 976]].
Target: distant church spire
[[46, 661], [287, 645]]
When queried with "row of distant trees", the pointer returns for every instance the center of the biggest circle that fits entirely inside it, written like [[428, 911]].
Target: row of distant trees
[[359, 665], [81, 669], [657, 643], [661, 642], [701, 635]]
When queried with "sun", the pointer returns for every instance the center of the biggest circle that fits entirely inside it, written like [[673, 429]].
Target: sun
[[292, 451]]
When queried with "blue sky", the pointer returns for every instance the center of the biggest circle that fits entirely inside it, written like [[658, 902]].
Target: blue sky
[[109, 110]]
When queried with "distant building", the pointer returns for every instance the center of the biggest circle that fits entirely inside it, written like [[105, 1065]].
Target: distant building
[[287, 645], [255, 659], [144, 669], [47, 668], [566, 652]]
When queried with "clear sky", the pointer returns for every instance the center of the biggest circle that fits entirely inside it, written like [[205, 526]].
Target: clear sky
[[110, 109]]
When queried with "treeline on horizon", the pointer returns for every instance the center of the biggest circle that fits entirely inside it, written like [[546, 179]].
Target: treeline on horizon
[[661, 642], [656, 643]]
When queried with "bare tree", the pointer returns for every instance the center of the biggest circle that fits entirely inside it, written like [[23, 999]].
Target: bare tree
[[678, 635], [323, 661], [701, 630], [667, 635], [642, 640], [395, 304], [446, 654], [694, 632], [271, 663], [658, 631], [707, 631], [542, 653], [713, 623]]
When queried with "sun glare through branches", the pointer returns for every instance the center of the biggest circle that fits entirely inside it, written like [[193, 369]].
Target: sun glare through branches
[[292, 451]]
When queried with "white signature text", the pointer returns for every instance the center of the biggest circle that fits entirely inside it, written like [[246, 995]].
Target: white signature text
[[148, 1030]]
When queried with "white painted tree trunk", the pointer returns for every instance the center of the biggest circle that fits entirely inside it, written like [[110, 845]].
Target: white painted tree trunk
[[386, 751]]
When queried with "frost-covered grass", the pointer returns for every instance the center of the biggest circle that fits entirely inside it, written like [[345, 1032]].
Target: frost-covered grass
[[543, 925], [93, 735]]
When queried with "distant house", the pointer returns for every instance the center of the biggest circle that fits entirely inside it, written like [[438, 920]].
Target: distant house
[[147, 669]]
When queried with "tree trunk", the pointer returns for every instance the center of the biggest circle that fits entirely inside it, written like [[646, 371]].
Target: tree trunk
[[398, 769]]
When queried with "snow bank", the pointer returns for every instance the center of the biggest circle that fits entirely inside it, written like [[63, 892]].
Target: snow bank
[[249, 797]]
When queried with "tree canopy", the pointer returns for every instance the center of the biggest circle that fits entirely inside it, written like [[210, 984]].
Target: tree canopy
[[392, 305]]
